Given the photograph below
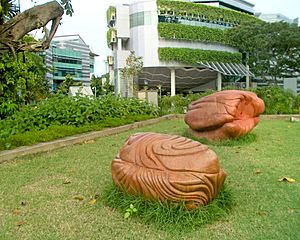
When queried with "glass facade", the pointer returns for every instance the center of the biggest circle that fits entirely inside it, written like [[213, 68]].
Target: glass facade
[[140, 19], [66, 61], [66, 52], [62, 72]]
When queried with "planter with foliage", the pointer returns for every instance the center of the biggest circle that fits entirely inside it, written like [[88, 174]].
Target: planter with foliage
[[173, 31], [192, 56], [202, 11], [110, 33], [111, 11]]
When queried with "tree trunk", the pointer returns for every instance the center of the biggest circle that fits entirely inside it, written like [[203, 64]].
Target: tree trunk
[[37, 17]]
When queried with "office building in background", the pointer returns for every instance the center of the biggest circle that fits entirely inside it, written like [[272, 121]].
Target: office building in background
[[69, 54]]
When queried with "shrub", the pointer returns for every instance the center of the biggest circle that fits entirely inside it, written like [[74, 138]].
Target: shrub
[[78, 112], [277, 101], [179, 103], [20, 82]]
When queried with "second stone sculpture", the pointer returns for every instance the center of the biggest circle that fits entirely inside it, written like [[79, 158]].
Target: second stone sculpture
[[224, 115]]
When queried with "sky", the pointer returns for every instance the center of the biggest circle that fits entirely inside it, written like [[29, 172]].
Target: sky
[[89, 21]]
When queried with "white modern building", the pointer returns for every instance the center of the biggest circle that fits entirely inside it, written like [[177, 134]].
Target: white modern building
[[182, 44]]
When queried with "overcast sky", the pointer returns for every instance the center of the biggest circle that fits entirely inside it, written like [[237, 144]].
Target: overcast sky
[[89, 21]]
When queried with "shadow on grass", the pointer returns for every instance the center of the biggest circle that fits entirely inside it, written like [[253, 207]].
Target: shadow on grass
[[244, 140], [169, 216]]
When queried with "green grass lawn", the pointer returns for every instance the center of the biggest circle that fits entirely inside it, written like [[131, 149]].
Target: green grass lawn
[[48, 196]]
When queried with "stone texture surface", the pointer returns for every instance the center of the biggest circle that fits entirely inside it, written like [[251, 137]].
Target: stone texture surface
[[224, 115], [161, 166]]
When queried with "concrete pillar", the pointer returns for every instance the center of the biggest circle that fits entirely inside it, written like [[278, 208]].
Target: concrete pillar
[[119, 43], [219, 82], [247, 78], [118, 82], [291, 84], [173, 84]]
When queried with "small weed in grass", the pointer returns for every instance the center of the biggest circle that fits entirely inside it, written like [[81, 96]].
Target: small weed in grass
[[168, 215]]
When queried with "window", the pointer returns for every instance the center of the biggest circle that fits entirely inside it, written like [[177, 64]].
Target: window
[[62, 72], [65, 59], [140, 19], [147, 18]]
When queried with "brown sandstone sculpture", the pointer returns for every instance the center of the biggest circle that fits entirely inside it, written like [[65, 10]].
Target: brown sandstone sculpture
[[225, 114], [166, 167]]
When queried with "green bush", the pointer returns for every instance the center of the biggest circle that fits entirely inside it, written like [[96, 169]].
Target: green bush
[[179, 103], [277, 101], [192, 56], [79, 112], [192, 33], [55, 132], [204, 11], [21, 82]]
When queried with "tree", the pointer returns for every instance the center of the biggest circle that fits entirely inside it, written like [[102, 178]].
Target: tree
[[14, 27], [22, 73], [21, 81], [270, 49], [129, 73], [99, 87], [66, 84], [8, 9]]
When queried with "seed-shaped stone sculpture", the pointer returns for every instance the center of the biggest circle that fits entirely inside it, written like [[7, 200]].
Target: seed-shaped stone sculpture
[[168, 167], [224, 115]]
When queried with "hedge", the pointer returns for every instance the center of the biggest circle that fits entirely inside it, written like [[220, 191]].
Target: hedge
[[75, 111], [192, 56], [277, 101], [192, 33], [204, 12]]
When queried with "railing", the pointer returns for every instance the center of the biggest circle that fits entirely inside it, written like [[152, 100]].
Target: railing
[[195, 21]]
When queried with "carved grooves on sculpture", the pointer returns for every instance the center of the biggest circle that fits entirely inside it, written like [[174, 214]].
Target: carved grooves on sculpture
[[164, 167], [224, 114]]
